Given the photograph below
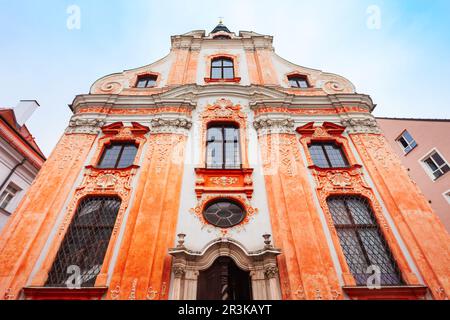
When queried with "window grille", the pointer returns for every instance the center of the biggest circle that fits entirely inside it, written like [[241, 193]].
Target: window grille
[[86, 242], [362, 241]]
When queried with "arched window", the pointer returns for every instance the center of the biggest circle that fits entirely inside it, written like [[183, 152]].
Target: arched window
[[328, 155], [362, 241], [223, 148], [224, 213], [298, 81], [222, 68], [85, 244], [118, 155]]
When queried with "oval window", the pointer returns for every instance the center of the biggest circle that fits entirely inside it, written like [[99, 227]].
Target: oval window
[[224, 214]]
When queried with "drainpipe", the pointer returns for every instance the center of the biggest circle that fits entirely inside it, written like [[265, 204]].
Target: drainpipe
[[12, 172]]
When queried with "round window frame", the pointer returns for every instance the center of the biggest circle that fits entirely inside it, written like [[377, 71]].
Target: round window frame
[[231, 201]]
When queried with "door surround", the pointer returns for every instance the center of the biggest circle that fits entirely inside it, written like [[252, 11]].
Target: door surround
[[261, 264]]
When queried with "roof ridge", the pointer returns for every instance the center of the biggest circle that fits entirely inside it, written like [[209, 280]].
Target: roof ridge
[[414, 119]]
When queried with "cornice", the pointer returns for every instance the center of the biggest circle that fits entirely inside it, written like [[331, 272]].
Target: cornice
[[258, 96]]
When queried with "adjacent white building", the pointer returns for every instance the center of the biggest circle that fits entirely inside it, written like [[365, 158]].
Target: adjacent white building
[[20, 157]]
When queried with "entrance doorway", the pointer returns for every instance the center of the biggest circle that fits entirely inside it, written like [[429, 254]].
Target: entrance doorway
[[224, 281]]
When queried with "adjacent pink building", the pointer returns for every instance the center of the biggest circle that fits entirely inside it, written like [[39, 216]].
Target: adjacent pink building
[[424, 148]]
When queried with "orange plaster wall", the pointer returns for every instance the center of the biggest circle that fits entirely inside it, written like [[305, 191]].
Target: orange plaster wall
[[253, 69], [26, 233], [143, 266], [191, 69], [266, 67], [422, 231], [306, 268], [179, 66]]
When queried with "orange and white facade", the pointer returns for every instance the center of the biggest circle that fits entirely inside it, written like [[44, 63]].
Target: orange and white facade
[[287, 239]]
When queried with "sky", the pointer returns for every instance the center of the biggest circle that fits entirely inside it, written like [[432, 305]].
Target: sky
[[397, 51]]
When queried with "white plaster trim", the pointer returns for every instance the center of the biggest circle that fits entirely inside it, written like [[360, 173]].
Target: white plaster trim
[[446, 195]]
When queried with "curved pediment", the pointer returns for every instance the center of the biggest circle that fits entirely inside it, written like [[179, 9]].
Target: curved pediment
[[117, 83], [330, 83]]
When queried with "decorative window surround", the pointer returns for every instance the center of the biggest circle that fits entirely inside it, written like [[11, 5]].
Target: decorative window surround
[[240, 199], [348, 181], [101, 182], [224, 181]]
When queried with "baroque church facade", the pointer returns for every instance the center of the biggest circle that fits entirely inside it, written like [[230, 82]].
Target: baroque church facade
[[223, 171]]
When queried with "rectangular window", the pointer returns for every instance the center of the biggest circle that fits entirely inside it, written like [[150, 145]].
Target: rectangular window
[[407, 142], [298, 82], [222, 68], [328, 155], [223, 147], [147, 82], [118, 156], [7, 195], [436, 165]]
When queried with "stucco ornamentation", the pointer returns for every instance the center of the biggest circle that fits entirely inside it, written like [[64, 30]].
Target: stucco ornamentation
[[271, 126], [271, 272], [151, 294], [361, 125], [300, 293], [332, 84], [280, 153], [112, 87], [340, 179], [106, 181], [377, 148], [85, 125], [166, 147], [115, 293], [178, 125], [9, 295], [132, 295], [179, 271], [102, 182], [224, 181]]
